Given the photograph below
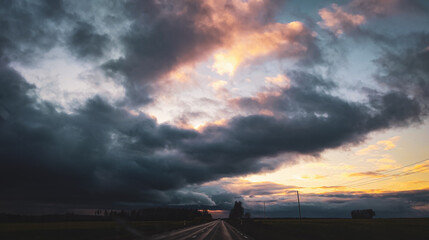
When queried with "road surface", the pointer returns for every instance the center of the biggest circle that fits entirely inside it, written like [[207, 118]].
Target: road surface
[[215, 230]]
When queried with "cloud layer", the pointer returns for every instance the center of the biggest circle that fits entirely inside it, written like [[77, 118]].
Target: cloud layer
[[103, 154]]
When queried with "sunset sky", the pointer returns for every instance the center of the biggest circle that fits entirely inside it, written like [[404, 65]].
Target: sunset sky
[[128, 104]]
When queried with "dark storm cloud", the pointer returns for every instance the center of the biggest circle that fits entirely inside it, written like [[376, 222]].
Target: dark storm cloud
[[405, 67], [29, 27], [101, 154], [314, 119], [263, 188], [159, 42], [187, 116], [384, 8], [97, 154], [166, 35], [225, 200], [154, 38], [85, 42]]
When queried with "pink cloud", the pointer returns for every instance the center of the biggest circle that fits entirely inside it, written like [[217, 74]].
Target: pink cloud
[[339, 21]]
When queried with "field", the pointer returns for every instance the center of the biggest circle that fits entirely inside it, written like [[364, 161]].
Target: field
[[262, 229], [109, 230], [336, 229]]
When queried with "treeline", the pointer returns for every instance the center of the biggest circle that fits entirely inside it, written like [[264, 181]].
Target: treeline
[[237, 212], [156, 214], [145, 214], [69, 217]]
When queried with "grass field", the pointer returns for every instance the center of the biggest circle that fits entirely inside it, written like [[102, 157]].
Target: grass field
[[86, 230], [366, 229], [262, 229]]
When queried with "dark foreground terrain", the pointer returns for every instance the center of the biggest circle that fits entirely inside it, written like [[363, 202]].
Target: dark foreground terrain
[[261, 229], [106, 230], [332, 229]]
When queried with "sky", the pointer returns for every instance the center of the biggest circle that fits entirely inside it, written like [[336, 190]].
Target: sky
[[130, 104]]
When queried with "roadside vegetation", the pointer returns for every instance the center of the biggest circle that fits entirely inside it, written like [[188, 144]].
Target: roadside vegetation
[[106, 225], [333, 229], [108, 230]]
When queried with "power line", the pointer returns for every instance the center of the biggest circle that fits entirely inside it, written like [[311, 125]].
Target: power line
[[387, 177], [406, 173], [359, 181], [373, 181], [387, 171], [380, 180]]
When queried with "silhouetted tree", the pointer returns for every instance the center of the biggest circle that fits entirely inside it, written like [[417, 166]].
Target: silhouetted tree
[[247, 215], [237, 211]]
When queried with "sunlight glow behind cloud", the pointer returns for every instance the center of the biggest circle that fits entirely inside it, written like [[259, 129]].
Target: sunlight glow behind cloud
[[276, 39]]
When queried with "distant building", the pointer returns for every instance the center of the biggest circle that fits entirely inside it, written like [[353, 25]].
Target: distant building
[[363, 214]]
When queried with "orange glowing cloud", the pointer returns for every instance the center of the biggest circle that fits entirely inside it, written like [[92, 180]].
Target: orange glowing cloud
[[243, 32], [384, 144], [423, 167], [339, 21], [218, 24], [266, 112], [181, 74], [248, 188], [390, 143], [275, 38], [381, 160], [370, 148], [216, 85], [315, 177], [374, 174], [202, 126], [280, 81], [219, 213]]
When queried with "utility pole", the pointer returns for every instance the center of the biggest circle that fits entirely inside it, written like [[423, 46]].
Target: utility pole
[[299, 205], [264, 209]]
